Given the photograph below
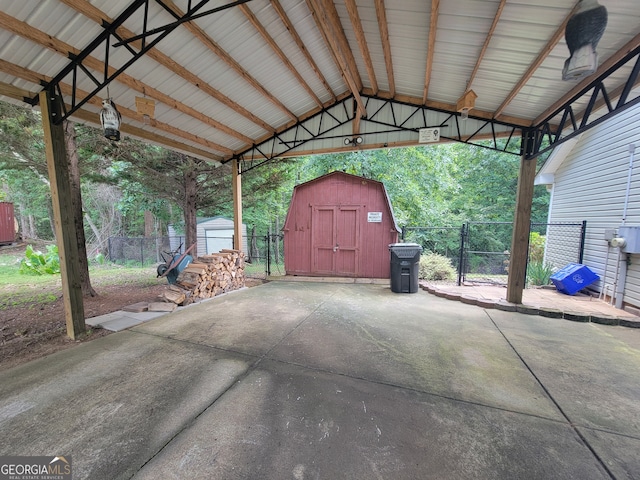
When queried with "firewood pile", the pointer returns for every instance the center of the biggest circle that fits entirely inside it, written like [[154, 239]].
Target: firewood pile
[[208, 276]]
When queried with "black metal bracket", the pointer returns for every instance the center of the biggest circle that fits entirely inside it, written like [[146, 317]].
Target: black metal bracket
[[103, 45], [574, 117], [404, 117]]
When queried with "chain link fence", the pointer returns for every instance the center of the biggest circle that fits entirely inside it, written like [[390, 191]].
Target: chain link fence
[[480, 251], [265, 254]]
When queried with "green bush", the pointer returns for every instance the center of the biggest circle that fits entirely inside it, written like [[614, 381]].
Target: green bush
[[539, 273], [436, 267], [536, 247], [38, 263]]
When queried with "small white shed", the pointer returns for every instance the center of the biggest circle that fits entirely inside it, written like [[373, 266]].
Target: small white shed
[[214, 234]]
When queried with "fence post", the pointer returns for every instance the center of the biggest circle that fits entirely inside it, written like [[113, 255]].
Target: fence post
[[461, 257], [268, 239], [583, 236], [403, 233]]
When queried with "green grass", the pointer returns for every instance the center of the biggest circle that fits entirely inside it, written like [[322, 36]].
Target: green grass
[[18, 289]]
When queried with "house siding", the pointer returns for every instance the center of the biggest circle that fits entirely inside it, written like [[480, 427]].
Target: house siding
[[591, 184]]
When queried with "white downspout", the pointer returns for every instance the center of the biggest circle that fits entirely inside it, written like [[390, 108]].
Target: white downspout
[[621, 269]]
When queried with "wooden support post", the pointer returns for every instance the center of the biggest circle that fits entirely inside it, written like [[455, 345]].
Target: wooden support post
[[237, 205], [51, 106], [521, 228]]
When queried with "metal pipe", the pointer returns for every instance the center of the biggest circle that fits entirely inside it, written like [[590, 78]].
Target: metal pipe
[[632, 149], [622, 279], [621, 267]]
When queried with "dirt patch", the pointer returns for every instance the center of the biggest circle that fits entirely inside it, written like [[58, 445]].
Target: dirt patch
[[34, 329]]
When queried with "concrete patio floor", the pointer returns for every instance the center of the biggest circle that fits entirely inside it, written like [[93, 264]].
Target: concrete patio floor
[[328, 381]]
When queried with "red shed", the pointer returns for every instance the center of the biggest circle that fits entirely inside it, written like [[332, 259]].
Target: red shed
[[7, 223], [339, 225]]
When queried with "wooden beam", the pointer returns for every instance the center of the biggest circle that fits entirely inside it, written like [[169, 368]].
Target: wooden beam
[[381, 13], [57, 164], [433, 28], [30, 33], [14, 92], [377, 146], [208, 42], [612, 60], [278, 51], [328, 22], [237, 205], [66, 89], [544, 53], [487, 40], [356, 23], [95, 14], [521, 227], [296, 38], [451, 107]]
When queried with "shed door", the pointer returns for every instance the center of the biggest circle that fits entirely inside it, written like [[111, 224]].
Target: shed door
[[334, 240]]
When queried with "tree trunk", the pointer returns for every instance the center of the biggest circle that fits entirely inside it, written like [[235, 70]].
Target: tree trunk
[[33, 231], [76, 200], [190, 206], [149, 223], [23, 223]]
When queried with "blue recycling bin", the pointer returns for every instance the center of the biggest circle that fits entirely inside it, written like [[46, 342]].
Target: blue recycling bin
[[573, 278]]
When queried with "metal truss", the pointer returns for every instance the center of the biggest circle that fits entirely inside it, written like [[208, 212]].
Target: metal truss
[[483, 134], [387, 116], [109, 39], [547, 135], [322, 125]]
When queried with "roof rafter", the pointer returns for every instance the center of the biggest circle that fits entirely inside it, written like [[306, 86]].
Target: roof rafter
[[41, 38], [208, 42], [433, 28], [381, 13], [67, 89], [354, 16], [278, 51], [296, 38], [487, 40], [95, 14], [608, 64], [326, 17], [544, 53]]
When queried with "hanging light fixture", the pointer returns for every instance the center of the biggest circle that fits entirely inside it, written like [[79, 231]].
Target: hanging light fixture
[[582, 33], [110, 119]]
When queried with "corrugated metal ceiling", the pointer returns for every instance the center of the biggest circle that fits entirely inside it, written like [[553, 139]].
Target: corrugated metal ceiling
[[227, 81]]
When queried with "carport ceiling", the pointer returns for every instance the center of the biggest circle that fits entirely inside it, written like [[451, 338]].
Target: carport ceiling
[[299, 76]]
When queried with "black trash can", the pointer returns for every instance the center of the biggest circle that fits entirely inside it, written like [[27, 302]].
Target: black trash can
[[405, 266]]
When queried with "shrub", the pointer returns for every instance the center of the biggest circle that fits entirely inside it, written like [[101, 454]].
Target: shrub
[[536, 247], [436, 267], [38, 263], [538, 273]]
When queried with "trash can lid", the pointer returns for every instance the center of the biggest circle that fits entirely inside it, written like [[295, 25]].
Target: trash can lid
[[404, 245], [405, 250]]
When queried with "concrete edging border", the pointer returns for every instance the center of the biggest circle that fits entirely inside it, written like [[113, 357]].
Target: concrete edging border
[[505, 306]]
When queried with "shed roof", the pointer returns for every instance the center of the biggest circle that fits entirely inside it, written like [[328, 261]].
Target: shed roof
[[330, 175], [227, 82]]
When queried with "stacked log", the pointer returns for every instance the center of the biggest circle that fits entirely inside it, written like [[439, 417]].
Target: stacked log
[[208, 276]]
